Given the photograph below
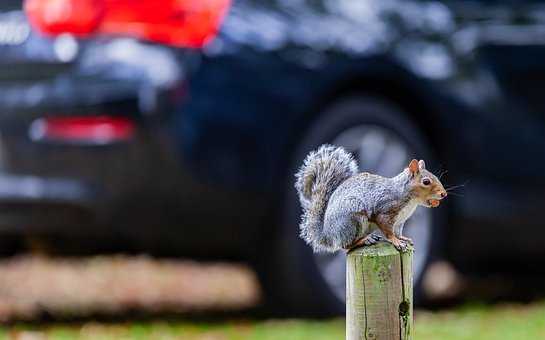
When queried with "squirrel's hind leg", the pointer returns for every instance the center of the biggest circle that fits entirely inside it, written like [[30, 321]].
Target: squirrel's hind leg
[[364, 236], [368, 240]]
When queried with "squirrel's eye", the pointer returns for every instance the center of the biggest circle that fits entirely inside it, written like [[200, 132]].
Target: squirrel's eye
[[426, 181]]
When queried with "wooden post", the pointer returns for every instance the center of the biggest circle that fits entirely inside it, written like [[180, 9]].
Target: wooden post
[[379, 293]]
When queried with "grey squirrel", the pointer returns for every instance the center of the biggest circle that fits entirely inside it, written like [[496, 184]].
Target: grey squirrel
[[344, 209]]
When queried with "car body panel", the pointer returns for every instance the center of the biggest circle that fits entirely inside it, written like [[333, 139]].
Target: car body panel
[[216, 127]]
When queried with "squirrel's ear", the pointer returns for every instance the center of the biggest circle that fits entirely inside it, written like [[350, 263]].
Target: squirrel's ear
[[421, 164], [413, 166]]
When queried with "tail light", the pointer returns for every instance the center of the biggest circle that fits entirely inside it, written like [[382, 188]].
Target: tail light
[[183, 23], [93, 130]]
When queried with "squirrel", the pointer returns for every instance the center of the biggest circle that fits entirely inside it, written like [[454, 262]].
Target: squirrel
[[345, 209]]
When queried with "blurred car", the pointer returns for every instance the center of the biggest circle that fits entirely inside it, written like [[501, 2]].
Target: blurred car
[[138, 145]]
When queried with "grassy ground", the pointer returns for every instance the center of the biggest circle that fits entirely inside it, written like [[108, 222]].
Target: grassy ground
[[468, 322]]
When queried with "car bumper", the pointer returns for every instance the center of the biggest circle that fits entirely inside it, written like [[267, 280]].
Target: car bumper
[[30, 204]]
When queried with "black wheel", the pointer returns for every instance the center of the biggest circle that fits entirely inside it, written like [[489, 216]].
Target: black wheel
[[383, 138]]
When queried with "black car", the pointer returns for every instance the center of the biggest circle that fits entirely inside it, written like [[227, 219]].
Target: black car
[[145, 147]]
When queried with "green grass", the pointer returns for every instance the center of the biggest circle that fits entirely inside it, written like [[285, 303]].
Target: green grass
[[468, 322]]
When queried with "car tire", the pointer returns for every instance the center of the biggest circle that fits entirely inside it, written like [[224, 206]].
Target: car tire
[[294, 283]]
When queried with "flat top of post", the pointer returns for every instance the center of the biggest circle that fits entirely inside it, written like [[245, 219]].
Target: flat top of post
[[379, 249]]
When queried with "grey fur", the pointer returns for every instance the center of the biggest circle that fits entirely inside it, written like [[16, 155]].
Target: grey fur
[[322, 172], [363, 194], [338, 202]]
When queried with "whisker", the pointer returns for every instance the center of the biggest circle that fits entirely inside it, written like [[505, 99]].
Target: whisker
[[442, 173], [457, 186], [455, 194]]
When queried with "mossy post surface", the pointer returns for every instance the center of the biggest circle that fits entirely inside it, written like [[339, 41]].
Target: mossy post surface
[[379, 293]]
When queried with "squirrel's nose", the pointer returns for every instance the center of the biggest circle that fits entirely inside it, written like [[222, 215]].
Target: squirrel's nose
[[443, 194]]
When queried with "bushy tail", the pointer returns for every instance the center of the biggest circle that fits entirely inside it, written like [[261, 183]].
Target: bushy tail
[[322, 172]]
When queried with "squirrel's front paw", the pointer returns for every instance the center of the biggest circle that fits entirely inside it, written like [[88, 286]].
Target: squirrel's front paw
[[400, 245], [407, 240]]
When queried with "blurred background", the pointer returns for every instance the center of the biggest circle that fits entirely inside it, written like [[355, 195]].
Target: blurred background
[[147, 153]]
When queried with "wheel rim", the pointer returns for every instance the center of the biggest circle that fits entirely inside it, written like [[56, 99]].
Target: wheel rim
[[381, 151]]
